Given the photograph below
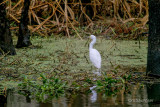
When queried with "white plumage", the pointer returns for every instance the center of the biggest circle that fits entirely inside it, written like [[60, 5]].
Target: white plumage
[[94, 55]]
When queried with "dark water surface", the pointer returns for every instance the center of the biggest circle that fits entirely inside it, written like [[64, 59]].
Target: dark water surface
[[147, 95]]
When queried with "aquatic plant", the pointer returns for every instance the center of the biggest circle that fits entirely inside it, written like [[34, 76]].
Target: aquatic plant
[[108, 86], [127, 77], [44, 89]]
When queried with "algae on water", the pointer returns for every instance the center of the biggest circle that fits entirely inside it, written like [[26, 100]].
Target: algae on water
[[69, 57]]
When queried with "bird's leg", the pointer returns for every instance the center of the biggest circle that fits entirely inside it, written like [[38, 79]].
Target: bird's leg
[[98, 72]]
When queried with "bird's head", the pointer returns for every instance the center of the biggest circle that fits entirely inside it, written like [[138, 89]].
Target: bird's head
[[92, 37]]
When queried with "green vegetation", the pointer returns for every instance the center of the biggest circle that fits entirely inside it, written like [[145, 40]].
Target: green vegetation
[[56, 65], [43, 90], [66, 68], [109, 85]]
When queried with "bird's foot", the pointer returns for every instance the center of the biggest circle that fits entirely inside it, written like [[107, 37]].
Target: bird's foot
[[97, 73]]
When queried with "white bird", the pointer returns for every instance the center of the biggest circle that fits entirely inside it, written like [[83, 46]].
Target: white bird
[[94, 55]]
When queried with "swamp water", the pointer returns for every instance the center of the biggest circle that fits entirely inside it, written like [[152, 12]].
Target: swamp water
[[146, 96], [68, 59]]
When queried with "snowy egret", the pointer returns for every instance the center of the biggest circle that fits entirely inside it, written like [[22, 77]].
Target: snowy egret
[[94, 55]]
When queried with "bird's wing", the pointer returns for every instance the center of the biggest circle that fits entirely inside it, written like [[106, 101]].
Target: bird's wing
[[95, 58]]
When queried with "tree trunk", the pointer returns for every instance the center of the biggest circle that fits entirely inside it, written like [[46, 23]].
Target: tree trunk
[[153, 59], [24, 33], [3, 101], [153, 94], [6, 43]]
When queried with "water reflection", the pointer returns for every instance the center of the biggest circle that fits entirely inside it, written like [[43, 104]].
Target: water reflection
[[94, 94], [139, 96]]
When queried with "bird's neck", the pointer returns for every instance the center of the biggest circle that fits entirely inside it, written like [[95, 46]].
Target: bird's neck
[[92, 43]]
